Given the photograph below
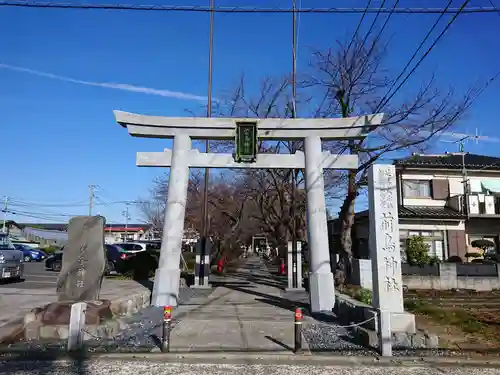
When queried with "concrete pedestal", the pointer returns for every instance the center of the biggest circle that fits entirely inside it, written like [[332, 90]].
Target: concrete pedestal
[[321, 292]]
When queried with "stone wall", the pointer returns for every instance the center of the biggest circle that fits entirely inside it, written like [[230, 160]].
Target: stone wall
[[447, 279], [353, 312]]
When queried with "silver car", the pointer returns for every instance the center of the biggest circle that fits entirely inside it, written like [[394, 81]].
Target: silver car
[[11, 260]]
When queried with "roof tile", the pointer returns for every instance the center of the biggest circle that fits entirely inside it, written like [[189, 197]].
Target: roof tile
[[451, 161]]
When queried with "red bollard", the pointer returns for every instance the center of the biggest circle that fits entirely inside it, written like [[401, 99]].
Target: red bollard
[[220, 265], [298, 330], [282, 268], [167, 320]]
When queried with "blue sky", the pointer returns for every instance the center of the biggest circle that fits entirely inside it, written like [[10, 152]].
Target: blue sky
[[60, 136]]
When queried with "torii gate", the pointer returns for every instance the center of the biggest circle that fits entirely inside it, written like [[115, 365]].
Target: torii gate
[[182, 157]]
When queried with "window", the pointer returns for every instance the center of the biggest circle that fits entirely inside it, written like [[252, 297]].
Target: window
[[435, 240], [416, 188]]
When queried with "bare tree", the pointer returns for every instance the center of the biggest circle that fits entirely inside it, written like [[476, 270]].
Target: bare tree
[[352, 80], [270, 190], [347, 80], [230, 226], [153, 207]]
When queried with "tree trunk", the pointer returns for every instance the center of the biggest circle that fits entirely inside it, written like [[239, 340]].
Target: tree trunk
[[344, 265]]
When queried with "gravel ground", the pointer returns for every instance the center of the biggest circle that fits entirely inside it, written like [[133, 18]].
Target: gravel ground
[[327, 335], [141, 367]]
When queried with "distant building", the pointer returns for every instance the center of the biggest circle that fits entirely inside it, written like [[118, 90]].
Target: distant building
[[114, 233]]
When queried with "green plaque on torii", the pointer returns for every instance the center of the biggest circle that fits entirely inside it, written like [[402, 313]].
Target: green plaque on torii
[[246, 142]]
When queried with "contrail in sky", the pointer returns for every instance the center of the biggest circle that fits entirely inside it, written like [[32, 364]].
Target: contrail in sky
[[116, 86]]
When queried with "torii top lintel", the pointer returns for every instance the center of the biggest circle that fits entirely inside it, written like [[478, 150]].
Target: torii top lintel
[[268, 128]]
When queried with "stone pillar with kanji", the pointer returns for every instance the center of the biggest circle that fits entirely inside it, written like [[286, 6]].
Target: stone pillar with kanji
[[385, 248]]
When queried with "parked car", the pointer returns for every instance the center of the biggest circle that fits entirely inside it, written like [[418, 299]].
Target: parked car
[[132, 247], [11, 259], [54, 261], [117, 260], [30, 253]]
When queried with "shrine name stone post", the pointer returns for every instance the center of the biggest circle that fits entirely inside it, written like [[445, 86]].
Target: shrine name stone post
[[182, 157], [294, 269], [386, 255]]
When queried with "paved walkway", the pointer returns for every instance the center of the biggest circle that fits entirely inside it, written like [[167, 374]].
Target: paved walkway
[[245, 312]]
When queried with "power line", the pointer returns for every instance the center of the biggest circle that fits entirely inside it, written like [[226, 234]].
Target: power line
[[429, 33], [19, 203], [207, 9], [51, 214], [386, 98], [31, 215]]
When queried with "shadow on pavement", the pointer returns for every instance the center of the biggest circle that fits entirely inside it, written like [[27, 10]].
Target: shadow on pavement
[[278, 342], [44, 362], [262, 280], [271, 299]]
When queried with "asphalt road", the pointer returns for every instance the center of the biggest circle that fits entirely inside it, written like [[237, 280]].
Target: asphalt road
[[35, 277]]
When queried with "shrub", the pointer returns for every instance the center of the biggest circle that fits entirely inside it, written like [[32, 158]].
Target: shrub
[[365, 296], [417, 251]]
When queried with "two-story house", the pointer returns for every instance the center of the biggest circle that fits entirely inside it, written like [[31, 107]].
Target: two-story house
[[451, 199]]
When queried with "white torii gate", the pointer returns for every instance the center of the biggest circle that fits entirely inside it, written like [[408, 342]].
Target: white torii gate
[[182, 157]]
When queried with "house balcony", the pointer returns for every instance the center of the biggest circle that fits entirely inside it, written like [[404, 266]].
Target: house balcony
[[479, 205]]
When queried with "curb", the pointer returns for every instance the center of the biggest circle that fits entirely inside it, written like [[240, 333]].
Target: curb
[[123, 306]]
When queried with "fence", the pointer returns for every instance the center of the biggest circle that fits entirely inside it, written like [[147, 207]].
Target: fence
[[443, 276]]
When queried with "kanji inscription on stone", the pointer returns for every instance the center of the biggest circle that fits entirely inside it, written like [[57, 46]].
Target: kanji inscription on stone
[[384, 239]]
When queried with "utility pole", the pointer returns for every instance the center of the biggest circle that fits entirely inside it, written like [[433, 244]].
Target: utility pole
[[5, 206], [91, 198], [127, 217], [205, 221], [294, 171]]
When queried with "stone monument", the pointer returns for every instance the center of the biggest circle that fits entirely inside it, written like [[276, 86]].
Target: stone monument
[[83, 261], [384, 248]]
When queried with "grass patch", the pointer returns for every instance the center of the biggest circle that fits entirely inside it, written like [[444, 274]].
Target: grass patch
[[455, 317], [358, 293]]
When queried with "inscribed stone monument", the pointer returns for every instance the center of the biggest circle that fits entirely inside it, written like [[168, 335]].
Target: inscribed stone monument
[[384, 247], [83, 261]]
